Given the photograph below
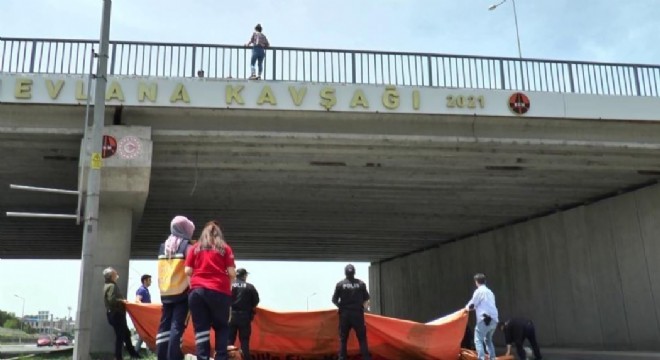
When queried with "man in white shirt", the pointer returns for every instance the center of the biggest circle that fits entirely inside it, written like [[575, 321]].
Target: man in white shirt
[[483, 304]]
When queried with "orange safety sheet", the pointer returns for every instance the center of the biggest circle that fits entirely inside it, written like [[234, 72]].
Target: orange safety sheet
[[314, 335]]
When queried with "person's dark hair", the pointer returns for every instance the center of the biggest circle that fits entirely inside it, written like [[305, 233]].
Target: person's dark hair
[[258, 27], [480, 278], [144, 278]]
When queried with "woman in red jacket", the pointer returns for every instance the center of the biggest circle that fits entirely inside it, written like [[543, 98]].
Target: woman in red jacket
[[210, 265]]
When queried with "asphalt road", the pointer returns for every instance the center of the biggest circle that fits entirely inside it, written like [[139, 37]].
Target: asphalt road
[[548, 354], [556, 354], [30, 349]]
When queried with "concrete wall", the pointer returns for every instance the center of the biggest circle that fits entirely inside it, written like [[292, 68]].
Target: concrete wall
[[589, 277]]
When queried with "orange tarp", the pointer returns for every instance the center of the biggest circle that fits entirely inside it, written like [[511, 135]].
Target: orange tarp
[[314, 335]]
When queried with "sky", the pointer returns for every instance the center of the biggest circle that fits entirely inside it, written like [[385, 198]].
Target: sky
[[53, 284], [587, 30]]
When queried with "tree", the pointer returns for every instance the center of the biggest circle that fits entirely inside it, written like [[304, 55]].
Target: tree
[[4, 316], [29, 329], [12, 324]]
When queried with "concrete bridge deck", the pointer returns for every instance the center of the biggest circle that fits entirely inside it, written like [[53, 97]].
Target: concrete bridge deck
[[539, 172]]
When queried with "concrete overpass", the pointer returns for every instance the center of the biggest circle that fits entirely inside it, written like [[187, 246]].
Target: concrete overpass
[[551, 192]]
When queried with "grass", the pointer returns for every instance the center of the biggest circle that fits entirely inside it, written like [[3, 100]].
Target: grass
[[69, 354], [59, 357]]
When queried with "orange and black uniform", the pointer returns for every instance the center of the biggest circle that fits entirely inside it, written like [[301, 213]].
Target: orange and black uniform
[[173, 284]]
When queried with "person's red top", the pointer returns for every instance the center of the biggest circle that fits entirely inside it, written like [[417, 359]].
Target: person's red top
[[210, 268]]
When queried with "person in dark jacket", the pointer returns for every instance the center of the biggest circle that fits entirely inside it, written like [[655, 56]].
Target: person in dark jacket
[[245, 299], [352, 299], [516, 330], [115, 306]]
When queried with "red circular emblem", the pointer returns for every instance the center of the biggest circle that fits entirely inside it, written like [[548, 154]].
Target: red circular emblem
[[109, 146], [519, 103]]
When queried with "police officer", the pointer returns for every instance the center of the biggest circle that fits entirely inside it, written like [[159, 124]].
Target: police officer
[[516, 330], [352, 299], [245, 300]]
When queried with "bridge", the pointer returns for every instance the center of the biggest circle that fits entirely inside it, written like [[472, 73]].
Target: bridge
[[432, 167]]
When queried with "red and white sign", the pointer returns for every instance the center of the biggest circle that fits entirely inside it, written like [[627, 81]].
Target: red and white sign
[[109, 146], [130, 147], [519, 103]]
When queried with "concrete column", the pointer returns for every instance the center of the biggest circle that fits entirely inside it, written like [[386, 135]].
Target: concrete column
[[374, 288], [125, 177], [113, 249]]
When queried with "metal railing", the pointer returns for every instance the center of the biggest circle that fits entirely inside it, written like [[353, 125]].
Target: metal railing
[[60, 56]]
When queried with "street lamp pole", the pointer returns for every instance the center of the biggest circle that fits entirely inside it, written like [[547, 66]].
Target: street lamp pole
[[515, 18], [90, 230], [309, 296], [20, 338]]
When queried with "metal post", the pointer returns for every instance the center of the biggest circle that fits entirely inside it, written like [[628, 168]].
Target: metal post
[[274, 65], [353, 67], [33, 53], [430, 66], [20, 338], [42, 189], [90, 231], [41, 215], [84, 156], [309, 296], [193, 72], [638, 88], [515, 17]]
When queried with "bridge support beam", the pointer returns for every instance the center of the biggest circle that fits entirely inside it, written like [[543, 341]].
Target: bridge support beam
[[588, 276], [125, 180]]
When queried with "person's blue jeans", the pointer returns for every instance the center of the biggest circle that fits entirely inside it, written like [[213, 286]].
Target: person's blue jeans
[[258, 55], [170, 331], [483, 336], [210, 309]]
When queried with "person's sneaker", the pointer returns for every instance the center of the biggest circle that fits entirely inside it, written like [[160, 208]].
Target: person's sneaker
[[253, 77]]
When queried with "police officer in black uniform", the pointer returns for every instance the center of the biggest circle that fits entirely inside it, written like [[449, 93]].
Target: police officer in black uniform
[[516, 330], [352, 299], [245, 301]]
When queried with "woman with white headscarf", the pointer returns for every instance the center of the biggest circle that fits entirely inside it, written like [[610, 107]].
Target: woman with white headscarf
[[173, 285]]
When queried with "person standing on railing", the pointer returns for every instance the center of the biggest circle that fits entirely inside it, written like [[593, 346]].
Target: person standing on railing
[[259, 43]]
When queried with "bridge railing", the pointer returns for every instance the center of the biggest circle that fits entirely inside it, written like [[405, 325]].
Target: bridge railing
[[60, 56]]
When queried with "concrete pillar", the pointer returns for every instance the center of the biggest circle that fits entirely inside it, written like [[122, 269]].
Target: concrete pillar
[[125, 177], [113, 249], [374, 288]]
